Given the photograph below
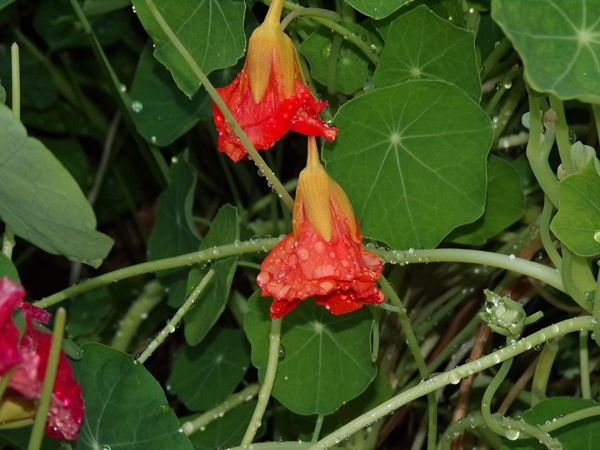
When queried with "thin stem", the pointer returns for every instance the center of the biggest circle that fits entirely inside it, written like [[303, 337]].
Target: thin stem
[[311, 12], [234, 400], [538, 151], [138, 312], [562, 135], [8, 240], [186, 260], [496, 55], [216, 98], [542, 372], [174, 322], [438, 381], [317, 429], [267, 385], [545, 237], [509, 262], [584, 365], [570, 418], [596, 112], [488, 395], [37, 431], [415, 349]]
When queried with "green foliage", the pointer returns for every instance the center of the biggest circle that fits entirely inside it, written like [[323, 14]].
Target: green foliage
[[377, 9], [420, 45], [557, 41], [124, 405], [205, 375], [8, 269], [395, 169], [40, 200], [324, 360], [577, 222], [212, 32]]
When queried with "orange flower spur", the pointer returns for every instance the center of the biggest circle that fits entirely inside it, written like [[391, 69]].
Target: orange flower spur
[[323, 257], [269, 97]]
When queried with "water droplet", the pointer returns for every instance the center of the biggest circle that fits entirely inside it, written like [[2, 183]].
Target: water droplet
[[507, 84], [122, 88], [106, 447], [153, 139], [512, 257], [597, 236], [281, 353], [137, 106], [512, 434]]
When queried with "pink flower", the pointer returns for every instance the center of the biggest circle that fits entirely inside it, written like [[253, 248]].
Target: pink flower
[[24, 358]]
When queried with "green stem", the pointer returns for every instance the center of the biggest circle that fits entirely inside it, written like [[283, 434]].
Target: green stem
[[8, 240], [234, 400], [542, 372], [509, 262], [538, 151], [562, 135], [318, 426], [584, 365], [506, 81], [138, 312], [438, 381], [216, 98], [547, 243], [596, 112], [37, 431], [267, 385], [570, 418], [496, 55], [177, 317], [311, 12], [415, 349], [189, 259], [507, 112], [488, 395]]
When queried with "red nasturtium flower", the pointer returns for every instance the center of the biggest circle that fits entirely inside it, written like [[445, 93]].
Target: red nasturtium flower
[[323, 257], [269, 97], [23, 357]]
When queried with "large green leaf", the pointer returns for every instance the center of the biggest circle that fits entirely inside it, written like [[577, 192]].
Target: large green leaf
[[325, 360], [505, 204], [211, 304], [559, 42], [205, 375], [41, 201], [580, 435], [174, 231], [421, 45], [211, 30], [577, 222], [162, 113], [416, 169], [377, 9], [125, 406]]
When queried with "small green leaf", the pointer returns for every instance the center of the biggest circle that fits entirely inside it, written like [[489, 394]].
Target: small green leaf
[[505, 204], [41, 201], [205, 375], [558, 43], [421, 45], [8, 269], [165, 113], [580, 435], [211, 304], [211, 30], [577, 223], [351, 65], [377, 9], [226, 432], [325, 360], [174, 232], [417, 168], [125, 406]]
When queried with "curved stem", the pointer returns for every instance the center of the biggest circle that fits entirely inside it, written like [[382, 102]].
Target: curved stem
[[562, 135], [509, 262], [37, 432], [542, 372], [267, 386], [188, 259], [174, 321], [438, 381], [200, 422], [488, 395], [216, 98], [311, 12], [547, 243]]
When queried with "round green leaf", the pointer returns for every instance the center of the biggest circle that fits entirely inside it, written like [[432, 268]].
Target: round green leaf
[[412, 159], [377, 9], [125, 406], [505, 204], [205, 375], [325, 360], [577, 223], [421, 45], [559, 42], [580, 435], [212, 31]]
